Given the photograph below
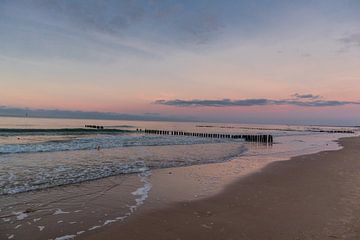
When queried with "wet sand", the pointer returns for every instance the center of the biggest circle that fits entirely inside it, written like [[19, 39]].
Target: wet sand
[[313, 196]]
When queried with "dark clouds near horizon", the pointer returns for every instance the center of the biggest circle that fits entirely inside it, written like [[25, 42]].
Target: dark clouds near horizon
[[306, 96], [301, 100]]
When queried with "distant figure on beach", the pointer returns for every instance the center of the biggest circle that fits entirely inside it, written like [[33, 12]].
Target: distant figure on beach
[[98, 148]]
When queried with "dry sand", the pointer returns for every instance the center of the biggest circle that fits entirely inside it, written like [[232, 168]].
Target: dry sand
[[308, 197]]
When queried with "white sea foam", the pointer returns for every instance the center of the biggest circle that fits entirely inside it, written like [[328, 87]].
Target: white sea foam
[[59, 211], [141, 195], [109, 221], [66, 237], [94, 227], [142, 192], [20, 215]]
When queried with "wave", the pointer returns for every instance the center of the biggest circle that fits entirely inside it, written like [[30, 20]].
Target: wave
[[64, 175], [28, 173], [125, 139]]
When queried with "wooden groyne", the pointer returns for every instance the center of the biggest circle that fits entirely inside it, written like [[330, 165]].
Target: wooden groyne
[[334, 131], [94, 126], [248, 138]]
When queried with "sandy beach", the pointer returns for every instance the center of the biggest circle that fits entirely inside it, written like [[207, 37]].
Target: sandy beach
[[259, 195], [308, 197]]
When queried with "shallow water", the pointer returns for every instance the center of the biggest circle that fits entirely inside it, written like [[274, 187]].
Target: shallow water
[[42, 153], [31, 171]]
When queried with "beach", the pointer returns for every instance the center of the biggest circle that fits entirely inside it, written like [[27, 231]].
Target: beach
[[157, 120], [56, 184], [308, 197]]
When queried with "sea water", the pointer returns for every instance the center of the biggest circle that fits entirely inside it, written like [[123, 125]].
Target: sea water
[[40, 153]]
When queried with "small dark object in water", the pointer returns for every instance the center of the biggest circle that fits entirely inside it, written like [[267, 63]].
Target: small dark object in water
[[29, 210]]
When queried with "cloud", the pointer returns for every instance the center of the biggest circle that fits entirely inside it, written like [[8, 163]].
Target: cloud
[[122, 18], [213, 103], [351, 40], [306, 96], [305, 100], [103, 16], [104, 31], [202, 28], [152, 114]]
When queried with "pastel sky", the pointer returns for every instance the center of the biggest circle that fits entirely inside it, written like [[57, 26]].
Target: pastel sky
[[276, 61]]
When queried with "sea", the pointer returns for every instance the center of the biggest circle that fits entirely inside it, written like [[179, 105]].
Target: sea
[[39, 153], [61, 180]]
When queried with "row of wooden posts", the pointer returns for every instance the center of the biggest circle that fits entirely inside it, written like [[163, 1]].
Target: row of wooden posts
[[335, 131], [248, 138], [94, 126]]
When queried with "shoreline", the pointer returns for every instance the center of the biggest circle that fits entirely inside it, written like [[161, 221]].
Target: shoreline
[[312, 196]]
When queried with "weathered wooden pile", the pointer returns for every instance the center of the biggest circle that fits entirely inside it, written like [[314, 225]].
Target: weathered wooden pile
[[336, 131], [94, 126], [248, 138]]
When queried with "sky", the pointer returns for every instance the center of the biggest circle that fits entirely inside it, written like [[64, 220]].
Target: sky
[[260, 61]]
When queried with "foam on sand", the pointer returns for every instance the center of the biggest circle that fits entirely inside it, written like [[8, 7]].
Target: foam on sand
[[141, 195]]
